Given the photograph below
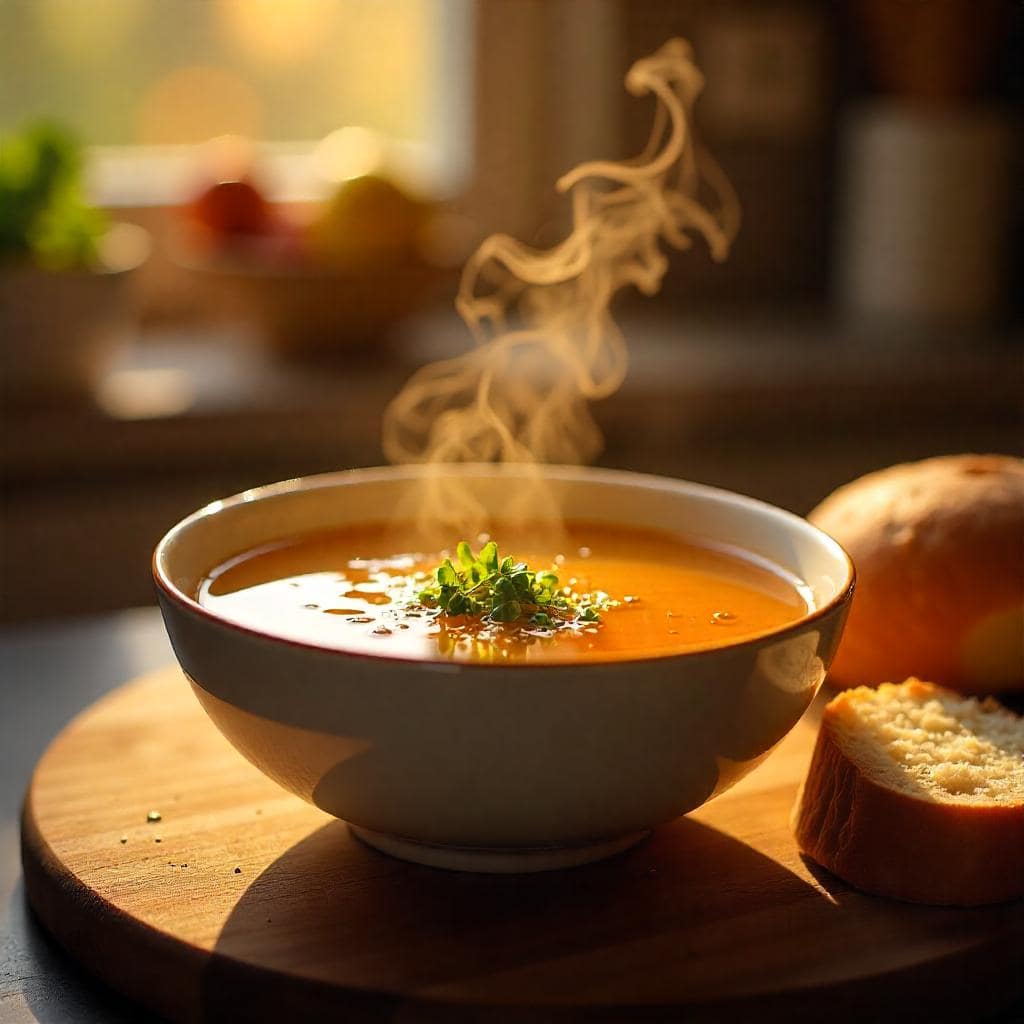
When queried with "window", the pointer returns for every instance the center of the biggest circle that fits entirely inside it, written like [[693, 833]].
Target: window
[[147, 79]]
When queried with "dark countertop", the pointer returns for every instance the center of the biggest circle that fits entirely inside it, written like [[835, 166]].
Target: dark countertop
[[50, 673]]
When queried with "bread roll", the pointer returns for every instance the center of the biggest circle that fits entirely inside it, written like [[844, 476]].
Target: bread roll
[[939, 551], [917, 793]]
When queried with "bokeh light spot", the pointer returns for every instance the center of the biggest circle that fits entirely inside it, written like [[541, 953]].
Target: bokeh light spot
[[278, 31], [195, 103], [348, 153]]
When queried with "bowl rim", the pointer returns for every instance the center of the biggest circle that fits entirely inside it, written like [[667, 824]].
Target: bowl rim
[[374, 474]]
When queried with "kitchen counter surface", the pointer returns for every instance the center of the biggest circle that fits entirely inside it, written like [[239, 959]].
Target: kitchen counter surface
[[50, 672], [782, 409]]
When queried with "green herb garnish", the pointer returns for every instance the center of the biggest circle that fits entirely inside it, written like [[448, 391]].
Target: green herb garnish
[[502, 590]]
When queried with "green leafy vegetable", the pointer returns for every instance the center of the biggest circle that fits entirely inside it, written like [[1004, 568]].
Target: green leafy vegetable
[[504, 591], [44, 215]]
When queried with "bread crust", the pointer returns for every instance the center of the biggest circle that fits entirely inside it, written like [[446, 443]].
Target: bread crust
[[886, 842], [939, 551]]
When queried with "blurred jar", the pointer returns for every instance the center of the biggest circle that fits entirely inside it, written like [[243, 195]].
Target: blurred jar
[[925, 212], [925, 169]]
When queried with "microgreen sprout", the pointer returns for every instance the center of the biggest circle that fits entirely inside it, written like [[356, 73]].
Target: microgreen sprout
[[502, 590]]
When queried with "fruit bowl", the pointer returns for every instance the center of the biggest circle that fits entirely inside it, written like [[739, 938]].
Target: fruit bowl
[[307, 311], [317, 280]]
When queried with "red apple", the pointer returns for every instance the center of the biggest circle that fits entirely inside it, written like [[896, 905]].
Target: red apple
[[232, 208]]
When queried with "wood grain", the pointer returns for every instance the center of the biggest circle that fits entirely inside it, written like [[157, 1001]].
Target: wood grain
[[243, 903]]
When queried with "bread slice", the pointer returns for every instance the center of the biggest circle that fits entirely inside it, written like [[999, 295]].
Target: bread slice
[[917, 793]]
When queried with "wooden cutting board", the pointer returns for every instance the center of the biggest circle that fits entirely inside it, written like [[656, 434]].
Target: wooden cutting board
[[243, 903]]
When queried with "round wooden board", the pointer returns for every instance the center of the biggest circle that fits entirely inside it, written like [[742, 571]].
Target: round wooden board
[[243, 903]]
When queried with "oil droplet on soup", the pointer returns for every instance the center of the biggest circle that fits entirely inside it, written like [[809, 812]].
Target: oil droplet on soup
[[355, 589]]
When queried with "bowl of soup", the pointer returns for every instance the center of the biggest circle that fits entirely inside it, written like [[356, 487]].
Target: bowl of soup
[[296, 613]]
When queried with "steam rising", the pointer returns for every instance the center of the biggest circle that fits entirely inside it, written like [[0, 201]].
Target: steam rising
[[546, 344]]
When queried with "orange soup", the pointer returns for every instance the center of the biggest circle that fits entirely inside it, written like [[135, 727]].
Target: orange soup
[[355, 590]]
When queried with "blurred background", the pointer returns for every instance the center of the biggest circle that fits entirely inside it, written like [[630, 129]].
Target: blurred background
[[230, 229]]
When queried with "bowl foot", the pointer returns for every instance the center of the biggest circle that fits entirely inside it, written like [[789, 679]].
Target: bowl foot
[[499, 860]]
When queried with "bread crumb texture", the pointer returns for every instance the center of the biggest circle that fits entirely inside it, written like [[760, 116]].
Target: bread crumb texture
[[933, 744]]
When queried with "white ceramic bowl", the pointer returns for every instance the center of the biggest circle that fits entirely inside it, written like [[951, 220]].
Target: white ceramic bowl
[[497, 767]]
